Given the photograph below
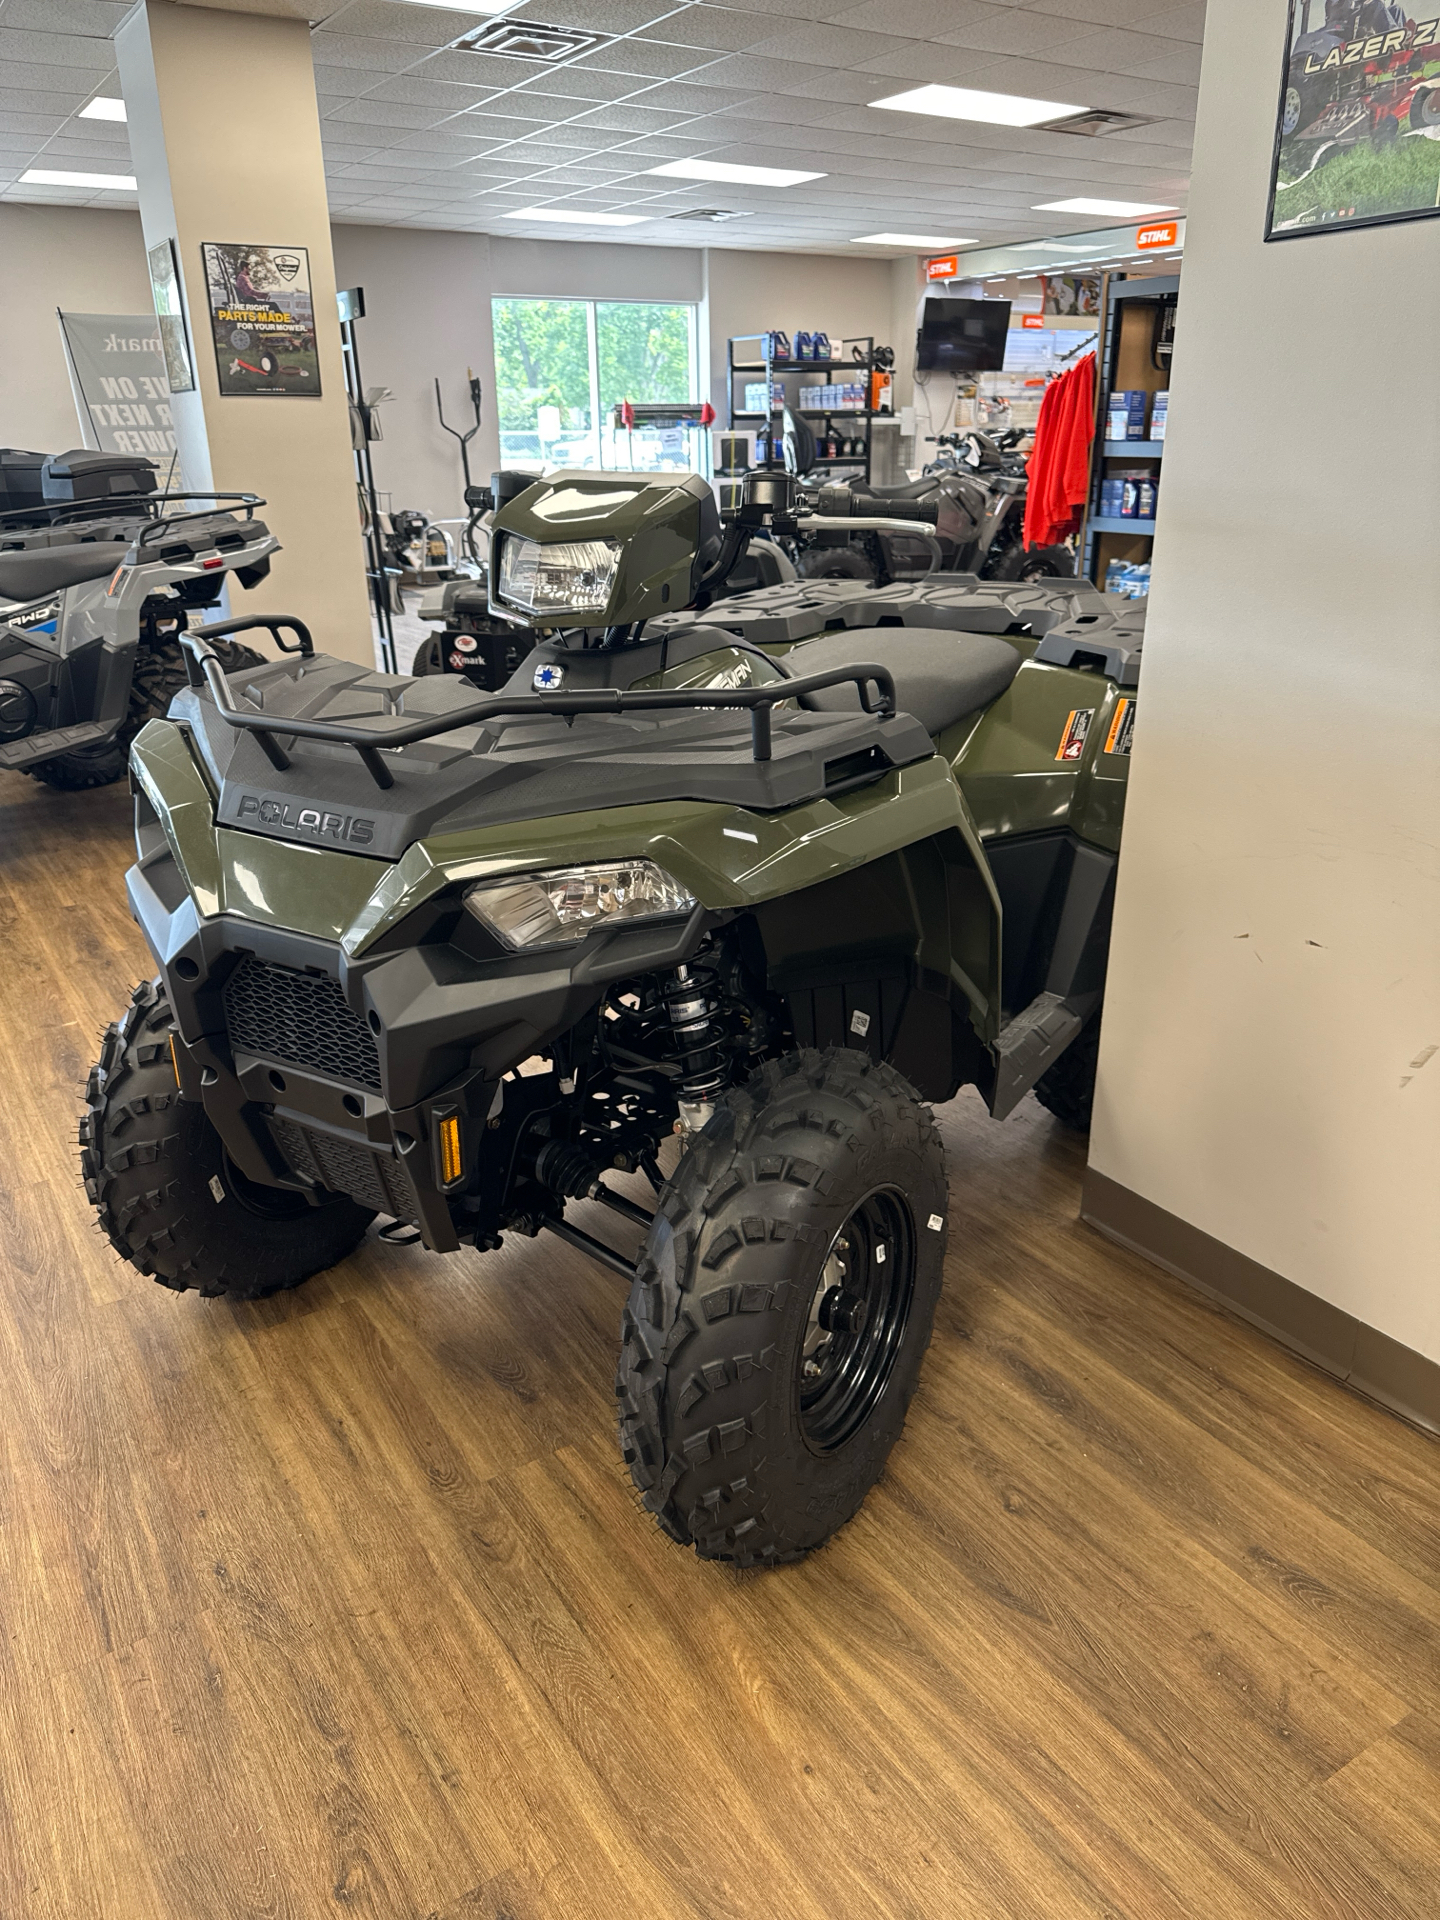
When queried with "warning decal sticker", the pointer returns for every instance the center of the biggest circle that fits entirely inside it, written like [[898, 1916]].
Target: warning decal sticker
[[1072, 740], [1122, 728]]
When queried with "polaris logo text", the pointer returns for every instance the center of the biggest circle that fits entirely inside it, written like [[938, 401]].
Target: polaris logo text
[[325, 826]]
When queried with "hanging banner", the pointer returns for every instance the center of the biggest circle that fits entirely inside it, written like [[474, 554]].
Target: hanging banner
[[118, 368], [1357, 135], [262, 319]]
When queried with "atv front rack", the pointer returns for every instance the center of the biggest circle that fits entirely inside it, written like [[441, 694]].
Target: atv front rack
[[368, 740]]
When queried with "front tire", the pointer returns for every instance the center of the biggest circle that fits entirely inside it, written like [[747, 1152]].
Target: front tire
[[169, 1198], [782, 1307]]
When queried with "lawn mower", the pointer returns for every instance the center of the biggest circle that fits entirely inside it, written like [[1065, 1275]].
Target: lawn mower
[[95, 591], [753, 883]]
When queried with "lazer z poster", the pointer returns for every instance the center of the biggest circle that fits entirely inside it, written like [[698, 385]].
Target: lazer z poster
[[262, 317], [1357, 140]]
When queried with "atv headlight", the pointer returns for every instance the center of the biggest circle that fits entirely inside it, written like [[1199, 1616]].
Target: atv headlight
[[557, 576], [554, 908]]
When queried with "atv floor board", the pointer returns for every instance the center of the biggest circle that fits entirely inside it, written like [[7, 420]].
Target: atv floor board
[[343, 1601]]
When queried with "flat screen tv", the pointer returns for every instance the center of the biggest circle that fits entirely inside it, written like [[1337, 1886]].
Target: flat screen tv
[[962, 336]]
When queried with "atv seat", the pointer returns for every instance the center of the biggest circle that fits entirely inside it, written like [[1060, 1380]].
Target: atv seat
[[939, 677], [25, 576]]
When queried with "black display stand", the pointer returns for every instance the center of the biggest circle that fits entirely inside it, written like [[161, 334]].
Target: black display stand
[[352, 308]]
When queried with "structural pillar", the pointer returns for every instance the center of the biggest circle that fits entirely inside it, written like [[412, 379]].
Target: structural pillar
[[225, 138]]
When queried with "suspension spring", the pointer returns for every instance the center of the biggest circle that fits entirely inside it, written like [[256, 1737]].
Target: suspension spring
[[693, 1007]]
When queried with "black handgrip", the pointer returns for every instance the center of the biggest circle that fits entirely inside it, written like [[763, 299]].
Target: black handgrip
[[863, 506]]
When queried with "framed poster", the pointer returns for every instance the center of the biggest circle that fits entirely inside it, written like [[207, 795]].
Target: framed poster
[[170, 312], [262, 318], [1357, 134]]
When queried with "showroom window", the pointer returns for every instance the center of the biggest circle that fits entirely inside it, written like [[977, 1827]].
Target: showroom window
[[562, 366]]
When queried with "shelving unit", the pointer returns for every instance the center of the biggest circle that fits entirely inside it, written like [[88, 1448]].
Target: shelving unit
[[769, 369], [1125, 362]]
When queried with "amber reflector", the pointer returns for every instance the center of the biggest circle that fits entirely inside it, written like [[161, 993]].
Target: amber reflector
[[450, 1165], [174, 1057]]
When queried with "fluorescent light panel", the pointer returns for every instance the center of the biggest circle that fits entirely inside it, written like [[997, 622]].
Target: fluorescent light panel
[[966, 103], [1051, 246], [908, 240], [577, 217], [49, 177], [101, 108], [1119, 209], [736, 176]]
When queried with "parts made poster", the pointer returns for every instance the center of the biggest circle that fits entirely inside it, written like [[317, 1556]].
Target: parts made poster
[[262, 318]]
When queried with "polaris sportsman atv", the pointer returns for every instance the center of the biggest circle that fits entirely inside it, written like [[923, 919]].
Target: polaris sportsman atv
[[759, 882], [94, 595]]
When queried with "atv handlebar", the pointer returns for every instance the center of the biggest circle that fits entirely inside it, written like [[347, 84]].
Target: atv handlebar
[[367, 741]]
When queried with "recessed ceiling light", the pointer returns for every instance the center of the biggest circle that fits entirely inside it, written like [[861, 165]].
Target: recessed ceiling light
[[965, 103], [908, 240], [737, 176], [577, 216], [48, 177], [102, 109], [1120, 209]]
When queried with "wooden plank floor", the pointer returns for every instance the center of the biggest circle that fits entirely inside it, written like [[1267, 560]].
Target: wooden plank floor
[[343, 1603]]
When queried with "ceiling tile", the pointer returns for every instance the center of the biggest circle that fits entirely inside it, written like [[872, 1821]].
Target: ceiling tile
[[349, 50], [426, 26], [722, 29]]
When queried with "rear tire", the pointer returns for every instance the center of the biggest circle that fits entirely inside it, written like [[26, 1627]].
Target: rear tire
[[834, 563], [158, 675], [1036, 563], [782, 1307], [169, 1198], [1067, 1089], [429, 657]]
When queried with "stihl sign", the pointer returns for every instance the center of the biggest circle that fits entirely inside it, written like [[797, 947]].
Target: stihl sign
[[1165, 235], [945, 267]]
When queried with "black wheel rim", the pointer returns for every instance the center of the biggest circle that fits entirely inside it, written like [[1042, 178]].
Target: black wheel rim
[[268, 1203], [856, 1323]]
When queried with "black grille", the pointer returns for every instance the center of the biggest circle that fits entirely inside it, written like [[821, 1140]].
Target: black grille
[[347, 1166], [300, 1018]]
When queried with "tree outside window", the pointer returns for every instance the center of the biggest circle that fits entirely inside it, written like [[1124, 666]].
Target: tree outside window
[[562, 367]]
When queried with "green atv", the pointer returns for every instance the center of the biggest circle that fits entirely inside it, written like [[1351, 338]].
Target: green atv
[[768, 877]]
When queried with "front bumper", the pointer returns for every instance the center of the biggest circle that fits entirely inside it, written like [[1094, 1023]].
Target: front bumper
[[446, 1029]]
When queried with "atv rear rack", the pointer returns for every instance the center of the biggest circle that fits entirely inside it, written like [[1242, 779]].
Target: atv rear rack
[[126, 505], [368, 740]]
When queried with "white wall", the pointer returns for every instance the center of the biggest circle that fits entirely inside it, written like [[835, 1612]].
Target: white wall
[[82, 260], [427, 314], [1269, 1070], [428, 295], [427, 299]]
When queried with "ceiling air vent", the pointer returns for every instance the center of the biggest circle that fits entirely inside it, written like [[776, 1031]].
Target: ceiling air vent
[[530, 40], [1098, 122], [710, 213]]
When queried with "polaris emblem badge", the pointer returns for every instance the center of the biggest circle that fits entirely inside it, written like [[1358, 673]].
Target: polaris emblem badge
[[325, 826], [549, 678]]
